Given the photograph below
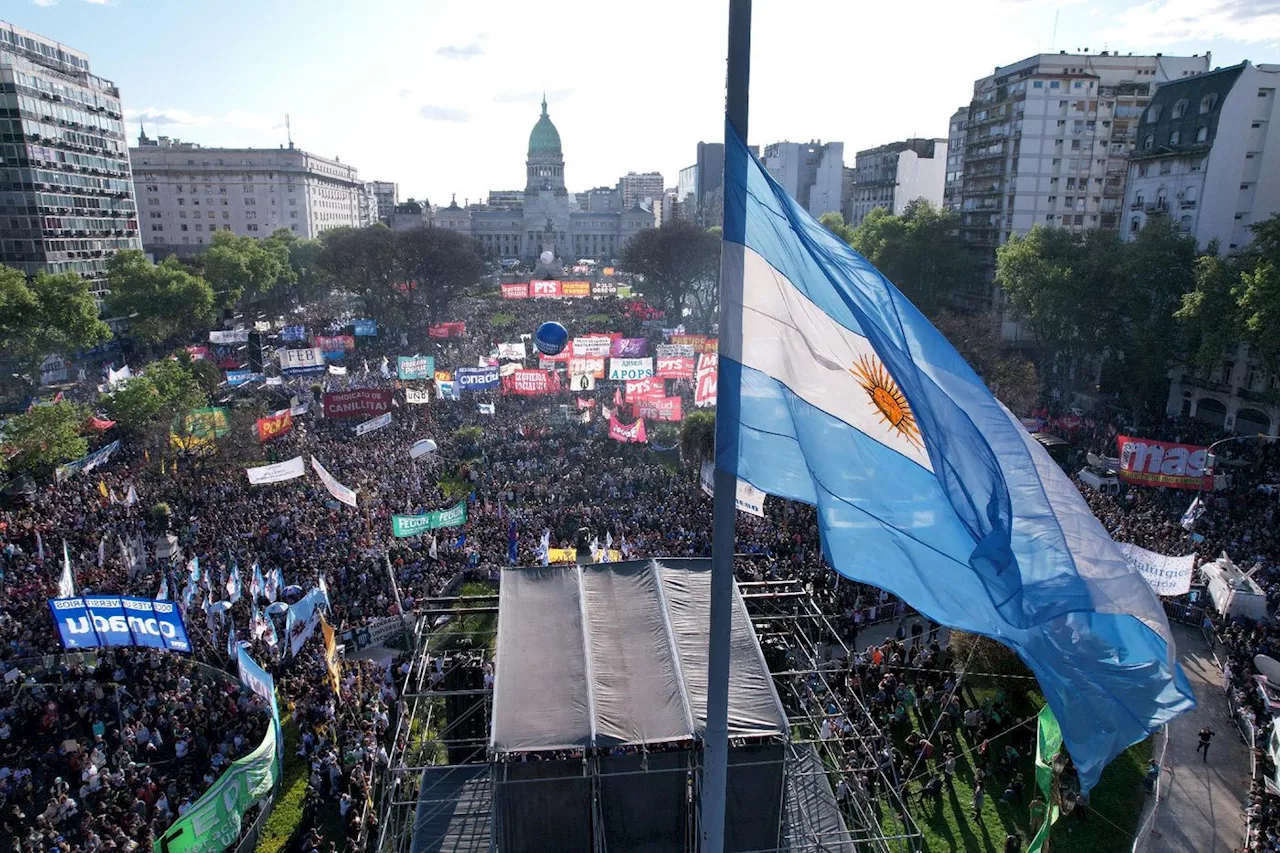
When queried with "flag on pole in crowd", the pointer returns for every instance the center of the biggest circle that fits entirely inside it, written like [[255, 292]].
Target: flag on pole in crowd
[[280, 584], [67, 583], [513, 544], [102, 550], [102, 489], [257, 584], [188, 595], [937, 493], [39, 548], [386, 368], [434, 553], [139, 551], [395, 587], [625, 548], [544, 547], [111, 497], [234, 584], [131, 497], [272, 637], [1193, 513], [231, 639], [257, 625], [162, 594], [324, 589]]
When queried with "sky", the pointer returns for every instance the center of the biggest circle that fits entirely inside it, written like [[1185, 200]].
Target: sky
[[440, 96]]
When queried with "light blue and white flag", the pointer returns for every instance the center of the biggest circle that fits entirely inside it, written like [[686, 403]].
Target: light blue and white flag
[[835, 391], [162, 594], [66, 583], [234, 585], [257, 584]]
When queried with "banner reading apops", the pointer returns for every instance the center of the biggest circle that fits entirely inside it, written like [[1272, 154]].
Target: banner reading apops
[[110, 621], [1162, 463], [360, 402], [516, 291], [273, 426], [531, 382], [630, 368], [412, 525], [415, 366]]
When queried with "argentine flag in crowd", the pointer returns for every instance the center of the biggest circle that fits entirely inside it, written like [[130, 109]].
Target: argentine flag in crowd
[[835, 391]]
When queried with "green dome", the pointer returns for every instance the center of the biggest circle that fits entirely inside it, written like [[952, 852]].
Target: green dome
[[544, 139]]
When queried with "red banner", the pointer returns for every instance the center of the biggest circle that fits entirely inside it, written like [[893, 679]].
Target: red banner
[[632, 433], [584, 403], [516, 291], [645, 389], [1163, 463], [705, 392], [532, 382], [275, 425], [660, 408], [575, 288], [447, 330], [362, 402], [695, 341], [541, 289], [333, 343], [710, 345], [198, 352], [675, 368], [591, 366]]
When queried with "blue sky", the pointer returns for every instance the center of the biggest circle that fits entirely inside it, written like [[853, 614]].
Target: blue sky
[[440, 96]]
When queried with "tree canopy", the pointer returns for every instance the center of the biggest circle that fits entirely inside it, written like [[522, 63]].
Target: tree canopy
[[163, 301], [50, 313], [44, 437], [680, 264], [246, 268]]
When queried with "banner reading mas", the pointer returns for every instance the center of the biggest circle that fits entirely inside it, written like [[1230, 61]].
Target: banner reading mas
[[1163, 463]]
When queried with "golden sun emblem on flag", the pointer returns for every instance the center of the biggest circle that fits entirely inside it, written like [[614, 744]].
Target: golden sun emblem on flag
[[887, 397]]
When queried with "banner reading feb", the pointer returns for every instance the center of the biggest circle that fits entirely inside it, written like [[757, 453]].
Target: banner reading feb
[[1162, 463]]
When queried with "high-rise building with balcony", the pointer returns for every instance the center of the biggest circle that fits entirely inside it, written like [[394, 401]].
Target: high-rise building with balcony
[[640, 188], [954, 179], [66, 192], [892, 176], [1047, 140], [811, 172], [388, 196], [1208, 156]]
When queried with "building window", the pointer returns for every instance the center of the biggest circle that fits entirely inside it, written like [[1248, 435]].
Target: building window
[[1174, 137], [181, 202], [1208, 102], [184, 227], [1142, 170], [252, 227], [1166, 166], [1197, 164], [1135, 225], [1179, 108], [1202, 133], [1153, 113], [1039, 84], [1054, 84], [1147, 142]]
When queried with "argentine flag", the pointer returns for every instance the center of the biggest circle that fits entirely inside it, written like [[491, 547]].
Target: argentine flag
[[835, 391]]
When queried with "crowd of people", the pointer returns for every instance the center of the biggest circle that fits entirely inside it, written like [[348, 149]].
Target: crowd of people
[[542, 463]]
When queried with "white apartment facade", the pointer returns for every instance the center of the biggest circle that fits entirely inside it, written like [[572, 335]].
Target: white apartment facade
[[640, 188], [892, 176], [1208, 156], [1047, 141], [811, 172], [388, 196], [187, 193], [953, 182], [368, 201]]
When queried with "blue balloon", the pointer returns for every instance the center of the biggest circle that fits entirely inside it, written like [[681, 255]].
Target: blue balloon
[[551, 338]]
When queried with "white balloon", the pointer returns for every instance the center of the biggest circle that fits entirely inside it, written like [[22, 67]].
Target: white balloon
[[547, 257], [422, 448]]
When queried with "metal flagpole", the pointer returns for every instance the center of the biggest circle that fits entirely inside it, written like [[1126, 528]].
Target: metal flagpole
[[716, 738]]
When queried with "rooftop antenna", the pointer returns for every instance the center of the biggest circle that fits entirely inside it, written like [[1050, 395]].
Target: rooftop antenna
[[1053, 40], [288, 131]]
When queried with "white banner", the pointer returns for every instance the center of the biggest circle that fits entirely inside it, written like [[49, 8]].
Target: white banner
[[118, 377], [375, 423], [237, 336], [1167, 575], [749, 499], [675, 351], [582, 382], [339, 491], [485, 408], [276, 473], [592, 346], [415, 397], [508, 369], [630, 368], [337, 371], [512, 352]]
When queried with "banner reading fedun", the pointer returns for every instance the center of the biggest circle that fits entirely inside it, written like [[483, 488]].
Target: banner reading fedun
[[412, 525]]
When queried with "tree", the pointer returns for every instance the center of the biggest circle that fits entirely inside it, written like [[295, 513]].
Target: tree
[[698, 436], [1209, 314], [244, 268], [44, 437], [1258, 296], [148, 404], [834, 222], [1009, 376], [362, 261], [920, 252], [167, 300], [437, 265], [46, 314], [134, 406], [680, 264]]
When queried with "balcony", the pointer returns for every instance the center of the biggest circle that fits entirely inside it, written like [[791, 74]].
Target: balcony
[[1138, 205], [1207, 384], [1187, 204]]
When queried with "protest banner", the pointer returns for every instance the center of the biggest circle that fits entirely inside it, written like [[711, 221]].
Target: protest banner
[[675, 368], [660, 408], [485, 408], [1162, 463], [456, 329], [592, 346], [339, 491], [603, 288], [531, 382], [357, 403], [335, 343], [645, 389], [542, 289], [365, 328], [115, 621], [516, 291], [279, 472], [630, 368], [307, 360], [695, 341], [273, 426], [199, 427], [582, 382], [747, 499], [374, 424], [412, 525], [415, 366], [416, 396], [1167, 575], [591, 366], [443, 376], [477, 378], [198, 353], [86, 463], [293, 333], [512, 352], [629, 433], [235, 336], [704, 393], [447, 391], [629, 347], [575, 288]]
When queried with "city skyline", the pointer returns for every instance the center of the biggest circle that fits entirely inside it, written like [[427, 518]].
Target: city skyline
[[626, 95]]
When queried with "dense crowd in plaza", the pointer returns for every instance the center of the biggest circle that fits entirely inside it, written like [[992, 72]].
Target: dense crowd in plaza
[[91, 751]]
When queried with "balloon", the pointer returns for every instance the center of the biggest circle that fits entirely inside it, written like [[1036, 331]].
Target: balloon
[[546, 257], [551, 338], [422, 448]]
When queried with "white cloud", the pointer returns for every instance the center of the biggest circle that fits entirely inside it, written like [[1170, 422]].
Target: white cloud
[[179, 120], [434, 113], [45, 2], [466, 51], [166, 116], [1162, 22], [101, 2]]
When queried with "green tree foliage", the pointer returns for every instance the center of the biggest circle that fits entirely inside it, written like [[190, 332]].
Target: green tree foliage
[[244, 268], [46, 314], [439, 264], [698, 436], [167, 300], [834, 222], [44, 437], [1011, 377], [134, 406], [680, 263], [147, 404], [919, 252], [1209, 314]]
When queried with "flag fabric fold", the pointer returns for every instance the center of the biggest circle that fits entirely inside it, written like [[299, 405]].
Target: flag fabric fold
[[66, 583], [835, 391]]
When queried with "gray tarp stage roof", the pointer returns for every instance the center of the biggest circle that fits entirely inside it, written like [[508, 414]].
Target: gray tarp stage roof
[[616, 654]]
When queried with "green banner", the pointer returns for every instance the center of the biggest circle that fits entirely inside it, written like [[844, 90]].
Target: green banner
[[416, 366], [412, 525], [1048, 742], [214, 822]]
